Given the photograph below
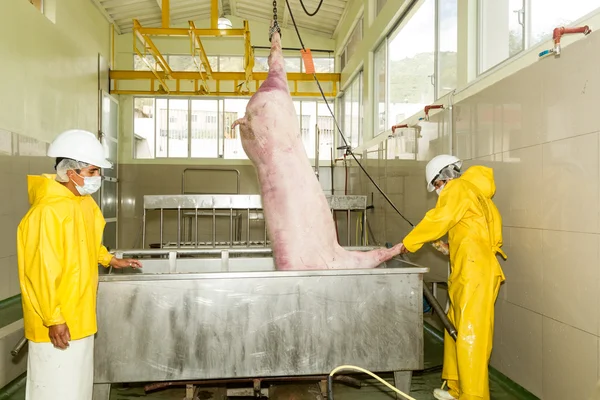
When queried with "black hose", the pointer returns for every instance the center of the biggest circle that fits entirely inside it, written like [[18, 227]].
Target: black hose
[[330, 387], [439, 311], [385, 196], [316, 11]]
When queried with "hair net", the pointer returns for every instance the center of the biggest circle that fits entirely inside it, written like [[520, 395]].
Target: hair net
[[65, 165], [452, 171]]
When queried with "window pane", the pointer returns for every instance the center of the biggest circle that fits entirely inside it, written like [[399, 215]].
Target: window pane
[[324, 65], [326, 127], [231, 64], [143, 127], [140, 65], [205, 128], [347, 113], [182, 63], [214, 63], [547, 15], [298, 113], [411, 65], [292, 64], [161, 127], [178, 128], [448, 42], [380, 89], [232, 110], [309, 121], [355, 39], [501, 31], [260, 64], [356, 117]]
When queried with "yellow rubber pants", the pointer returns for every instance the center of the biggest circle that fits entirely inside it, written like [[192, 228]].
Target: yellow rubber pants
[[466, 360]]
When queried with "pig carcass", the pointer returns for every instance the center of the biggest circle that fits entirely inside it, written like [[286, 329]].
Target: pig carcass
[[299, 222]]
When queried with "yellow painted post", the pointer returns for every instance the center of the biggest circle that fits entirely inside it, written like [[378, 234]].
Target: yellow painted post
[[214, 14], [166, 13]]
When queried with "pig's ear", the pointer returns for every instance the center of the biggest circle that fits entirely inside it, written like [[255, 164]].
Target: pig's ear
[[240, 121]]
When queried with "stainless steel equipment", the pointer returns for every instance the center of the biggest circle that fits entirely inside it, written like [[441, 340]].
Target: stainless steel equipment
[[240, 210], [198, 314]]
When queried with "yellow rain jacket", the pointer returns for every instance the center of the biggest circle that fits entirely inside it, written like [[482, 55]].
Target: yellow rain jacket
[[465, 212], [59, 249]]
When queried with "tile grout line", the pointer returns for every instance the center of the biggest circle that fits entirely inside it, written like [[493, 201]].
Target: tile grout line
[[551, 230], [554, 319]]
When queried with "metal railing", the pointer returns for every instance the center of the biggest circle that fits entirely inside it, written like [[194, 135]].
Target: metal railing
[[238, 209]]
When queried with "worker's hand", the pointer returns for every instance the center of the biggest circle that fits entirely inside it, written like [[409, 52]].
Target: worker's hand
[[124, 263], [60, 336], [403, 249], [442, 247]]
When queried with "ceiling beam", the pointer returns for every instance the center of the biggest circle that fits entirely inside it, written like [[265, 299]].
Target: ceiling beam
[[106, 15], [119, 3], [336, 31]]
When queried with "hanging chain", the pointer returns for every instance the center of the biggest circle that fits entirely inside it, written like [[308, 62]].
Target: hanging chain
[[275, 27]]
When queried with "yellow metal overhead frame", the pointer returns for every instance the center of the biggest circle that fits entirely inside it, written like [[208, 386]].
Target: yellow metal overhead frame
[[204, 81]]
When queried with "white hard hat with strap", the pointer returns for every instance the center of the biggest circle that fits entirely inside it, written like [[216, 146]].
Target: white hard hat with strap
[[79, 145], [437, 164]]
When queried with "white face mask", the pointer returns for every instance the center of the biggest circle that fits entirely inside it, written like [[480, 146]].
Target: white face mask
[[91, 184], [438, 190]]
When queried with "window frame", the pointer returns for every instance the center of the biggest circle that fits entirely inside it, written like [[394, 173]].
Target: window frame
[[527, 41], [220, 153]]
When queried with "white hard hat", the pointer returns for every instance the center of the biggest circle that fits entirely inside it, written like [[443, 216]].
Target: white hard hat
[[79, 145], [437, 164]]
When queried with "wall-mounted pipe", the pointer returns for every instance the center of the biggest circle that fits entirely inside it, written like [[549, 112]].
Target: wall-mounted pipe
[[398, 127], [557, 33], [432, 107], [428, 108]]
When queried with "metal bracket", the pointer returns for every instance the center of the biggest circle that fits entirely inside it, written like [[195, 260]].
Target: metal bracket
[[274, 28]]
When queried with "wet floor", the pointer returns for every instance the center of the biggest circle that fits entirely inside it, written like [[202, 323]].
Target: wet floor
[[422, 387]]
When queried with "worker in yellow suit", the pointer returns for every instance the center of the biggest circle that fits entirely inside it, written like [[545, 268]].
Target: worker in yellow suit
[[466, 213], [59, 244]]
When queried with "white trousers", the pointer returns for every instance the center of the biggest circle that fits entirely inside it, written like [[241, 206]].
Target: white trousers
[[55, 374]]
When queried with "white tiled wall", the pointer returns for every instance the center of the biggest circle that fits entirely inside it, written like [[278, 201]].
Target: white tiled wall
[[24, 156], [539, 129], [548, 188]]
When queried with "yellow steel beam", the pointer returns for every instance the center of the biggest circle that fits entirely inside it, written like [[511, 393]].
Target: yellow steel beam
[[153, 71], [222, 76], [214, 14], [149, 45], [186, 32], [215, 94], [166, 13], [248, 54], [197, 45]]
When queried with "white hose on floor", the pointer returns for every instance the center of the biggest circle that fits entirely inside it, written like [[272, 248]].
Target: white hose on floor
[[374, 376]]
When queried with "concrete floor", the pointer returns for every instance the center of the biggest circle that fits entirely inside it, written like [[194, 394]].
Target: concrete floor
[[422, 385]]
